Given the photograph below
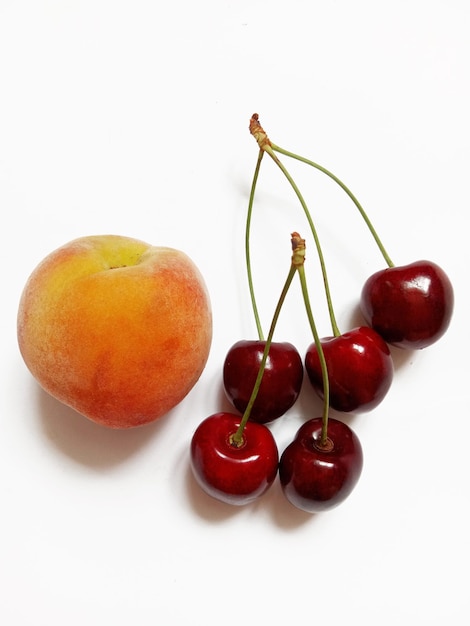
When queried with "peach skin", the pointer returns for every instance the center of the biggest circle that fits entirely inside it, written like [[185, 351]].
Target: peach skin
[[115, 328]]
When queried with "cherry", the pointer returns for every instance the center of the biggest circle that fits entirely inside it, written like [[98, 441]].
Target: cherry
[[234, 473], [282, 366], [316, 477], [410, 306], [233, 459], [322, 465], [280, 385], [360, 369]]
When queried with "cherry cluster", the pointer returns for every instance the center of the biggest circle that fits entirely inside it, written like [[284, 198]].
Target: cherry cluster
[[234, 456]]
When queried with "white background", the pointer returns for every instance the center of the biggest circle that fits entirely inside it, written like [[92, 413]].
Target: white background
[[132, 118]]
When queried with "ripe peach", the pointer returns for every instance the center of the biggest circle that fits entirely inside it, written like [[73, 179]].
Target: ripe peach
[[115, 328]]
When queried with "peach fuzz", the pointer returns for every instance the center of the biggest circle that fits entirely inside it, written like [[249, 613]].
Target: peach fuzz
[[115, 328]]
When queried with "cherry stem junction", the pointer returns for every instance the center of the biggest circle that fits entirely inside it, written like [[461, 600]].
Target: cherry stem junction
[[299, 258], [237, 437]]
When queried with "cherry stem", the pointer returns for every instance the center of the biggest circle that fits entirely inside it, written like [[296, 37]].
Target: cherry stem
[[247, 246], [276, 148], [265, 145], [339, 182], [300, 258], [237, 437]]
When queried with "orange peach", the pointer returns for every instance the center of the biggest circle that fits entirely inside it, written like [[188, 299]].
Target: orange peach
[[115, 328]]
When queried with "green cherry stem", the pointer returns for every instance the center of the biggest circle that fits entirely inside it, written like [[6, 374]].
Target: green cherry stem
[[265, 146], [247, 246], [361, 210], [237, 438], [299, 259], [269, 144]]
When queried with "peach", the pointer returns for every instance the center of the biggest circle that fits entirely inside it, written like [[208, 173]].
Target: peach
[[115, 328]]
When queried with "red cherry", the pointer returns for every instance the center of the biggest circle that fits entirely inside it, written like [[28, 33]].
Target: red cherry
[[280, 385], [230, 473], [410, 306], [316, 478], [360, 369]]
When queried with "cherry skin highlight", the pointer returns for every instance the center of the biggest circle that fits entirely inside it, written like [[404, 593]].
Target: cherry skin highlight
[[315, 478], [360, 369], [233, 474], [410, 306], [280, 385]]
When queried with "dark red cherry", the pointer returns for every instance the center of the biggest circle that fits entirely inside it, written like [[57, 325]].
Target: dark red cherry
[[280, 385], [316, 478], [230, 473], [410, 306], [360, 369]]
